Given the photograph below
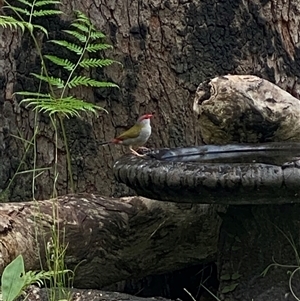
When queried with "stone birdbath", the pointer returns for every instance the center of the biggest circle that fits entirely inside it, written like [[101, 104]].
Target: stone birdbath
[[251, 128], [251, 131]]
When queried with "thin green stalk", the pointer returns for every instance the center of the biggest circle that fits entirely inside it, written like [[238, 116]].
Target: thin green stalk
[[31, 12], [55, 173], [68, 155], [21, 163], [34, 154]]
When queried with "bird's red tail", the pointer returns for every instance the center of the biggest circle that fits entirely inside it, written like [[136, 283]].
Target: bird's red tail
[[113, 141], [116, 141]]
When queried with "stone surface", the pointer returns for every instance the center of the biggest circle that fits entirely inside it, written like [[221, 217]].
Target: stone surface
[[246, 109], [210, 183]]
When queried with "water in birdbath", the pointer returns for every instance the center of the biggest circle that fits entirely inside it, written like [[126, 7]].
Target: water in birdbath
[[276, 153]]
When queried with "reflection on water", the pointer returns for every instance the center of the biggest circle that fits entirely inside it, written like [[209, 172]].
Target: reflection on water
[[276, 153]]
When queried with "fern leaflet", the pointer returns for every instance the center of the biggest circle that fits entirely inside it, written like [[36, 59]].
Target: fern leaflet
[[6, 21], [79, 36], [26, 3], [93, 62], [32, 94], [61, 62], [46, 2], [54, 81], [49, 12], [97, 47], [70, 46], [79, 81], [82, 18], [81, 27], [99, 84], [42, 29], [86, 81], [20, 10], [97, 35]]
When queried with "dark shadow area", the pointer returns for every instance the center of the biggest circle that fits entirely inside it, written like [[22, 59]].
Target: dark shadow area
[[172, 285]]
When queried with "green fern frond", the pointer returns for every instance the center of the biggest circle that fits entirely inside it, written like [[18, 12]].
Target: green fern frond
[[22, 11], [49, 12], [70, 46], [34, 102], [67, 106], [97, 35], [6, 21], [41, 28], [53, 81], [46, 2], [61, 62], [12, 23], [99, 84], [81, 27], [26, 2], [86, 81], [79, 36], [93, 63], [97, 47], [80, 16], [35, 98], [32, 94], [79, 81]]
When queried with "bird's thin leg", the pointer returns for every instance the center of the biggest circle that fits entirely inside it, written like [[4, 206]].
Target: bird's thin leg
[[135, 152], [143, 148]]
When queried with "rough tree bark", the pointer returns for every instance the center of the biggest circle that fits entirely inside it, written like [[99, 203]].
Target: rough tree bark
[[110, 240], [167, 48], [41, 294]]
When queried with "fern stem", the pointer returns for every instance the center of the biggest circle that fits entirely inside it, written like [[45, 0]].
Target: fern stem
[[31, 12], [68, 155], [77, 64]]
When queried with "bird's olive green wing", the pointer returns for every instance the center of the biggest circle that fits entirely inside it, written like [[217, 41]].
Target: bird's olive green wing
[[131, 133]]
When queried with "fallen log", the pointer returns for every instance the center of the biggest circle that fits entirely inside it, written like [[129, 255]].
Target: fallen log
[[111, 239], [34, 293]]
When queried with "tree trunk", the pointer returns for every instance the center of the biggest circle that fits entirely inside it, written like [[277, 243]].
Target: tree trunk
[[167, 49], [110, 240]]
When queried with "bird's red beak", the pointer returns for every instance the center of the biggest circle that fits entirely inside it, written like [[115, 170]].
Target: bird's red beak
[[147, 116]]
